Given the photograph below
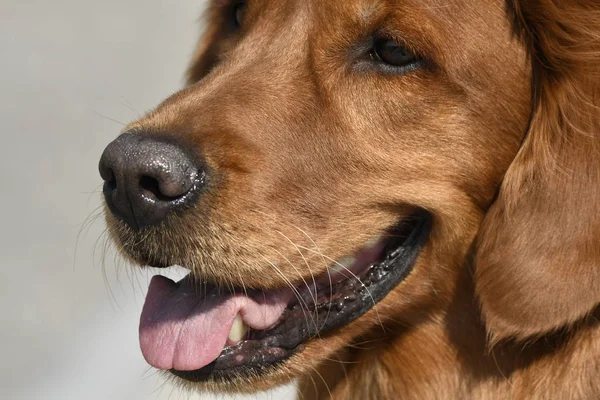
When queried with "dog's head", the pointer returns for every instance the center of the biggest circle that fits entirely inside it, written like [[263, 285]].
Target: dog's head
[[330, 156]]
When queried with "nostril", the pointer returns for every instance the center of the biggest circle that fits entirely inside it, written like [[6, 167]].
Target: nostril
[[111, 180], [151, 185], [107, 173], [166, 190]]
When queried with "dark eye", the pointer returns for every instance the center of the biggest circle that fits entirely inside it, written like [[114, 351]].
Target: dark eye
[[392, 53], [238, 12]]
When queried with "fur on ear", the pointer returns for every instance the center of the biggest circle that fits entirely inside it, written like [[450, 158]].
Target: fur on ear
[[537, 265]]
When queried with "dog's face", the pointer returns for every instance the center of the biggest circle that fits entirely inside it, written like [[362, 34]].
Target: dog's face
[[370, 134]]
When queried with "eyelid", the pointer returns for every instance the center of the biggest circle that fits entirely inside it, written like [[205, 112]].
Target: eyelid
[[383, 34], [234, 7], [363, 62]]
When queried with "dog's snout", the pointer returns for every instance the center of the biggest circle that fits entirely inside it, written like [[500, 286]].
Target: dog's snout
[[146, 178]]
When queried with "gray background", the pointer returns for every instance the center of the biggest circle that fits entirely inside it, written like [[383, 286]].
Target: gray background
[[71, 73]]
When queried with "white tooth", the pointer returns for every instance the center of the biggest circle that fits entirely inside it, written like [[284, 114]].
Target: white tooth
[[371, 243], [238, 329], [343, 264]]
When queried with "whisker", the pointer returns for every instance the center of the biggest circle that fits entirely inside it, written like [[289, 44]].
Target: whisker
[[307, 266], [103, 238], [359, 281], [314, 386], [243, 285], [110, 119], [84, 229], [314, 322], [303, 305], [318, 252], [130, 105], [323, 380], [325, 264]]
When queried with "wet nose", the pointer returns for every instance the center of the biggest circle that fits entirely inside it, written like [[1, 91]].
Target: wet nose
[[146, 178]]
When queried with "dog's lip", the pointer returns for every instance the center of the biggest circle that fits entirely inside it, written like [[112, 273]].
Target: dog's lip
[[328, 305], [186, 325]]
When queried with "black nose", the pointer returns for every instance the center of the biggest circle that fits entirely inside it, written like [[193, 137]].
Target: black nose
[[146, 178]]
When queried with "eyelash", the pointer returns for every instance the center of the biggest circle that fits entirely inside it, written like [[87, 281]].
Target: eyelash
[[237, 13], [375, 60]]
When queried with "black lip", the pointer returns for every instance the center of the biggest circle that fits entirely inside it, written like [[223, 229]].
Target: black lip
[[336, 306]]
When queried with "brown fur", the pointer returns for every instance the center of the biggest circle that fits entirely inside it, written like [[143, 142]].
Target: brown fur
[[310, 155]]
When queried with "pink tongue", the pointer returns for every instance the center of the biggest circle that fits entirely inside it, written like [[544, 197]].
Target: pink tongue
[[184, 329]]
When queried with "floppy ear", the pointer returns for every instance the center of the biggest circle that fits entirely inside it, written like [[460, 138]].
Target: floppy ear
[[208, 48], [537, 265]]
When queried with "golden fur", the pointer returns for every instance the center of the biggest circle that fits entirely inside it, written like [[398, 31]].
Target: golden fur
[[497, 136]]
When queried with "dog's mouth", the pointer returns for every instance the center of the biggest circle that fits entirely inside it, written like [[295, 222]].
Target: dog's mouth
[[200, 332]]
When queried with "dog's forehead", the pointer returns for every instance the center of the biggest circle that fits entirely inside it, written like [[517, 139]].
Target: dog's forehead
[[442, 30], [317, 14]]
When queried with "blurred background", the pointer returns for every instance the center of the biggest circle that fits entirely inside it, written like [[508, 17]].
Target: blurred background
[[72, 73]]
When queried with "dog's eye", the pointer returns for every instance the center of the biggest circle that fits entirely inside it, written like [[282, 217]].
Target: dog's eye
[[237, 13], [392, 53]]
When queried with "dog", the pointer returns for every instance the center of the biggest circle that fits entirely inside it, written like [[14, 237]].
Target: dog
[[380, 198]]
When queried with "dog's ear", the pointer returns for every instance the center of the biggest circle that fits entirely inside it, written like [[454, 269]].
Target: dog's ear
[[537, 265], [208, 48]]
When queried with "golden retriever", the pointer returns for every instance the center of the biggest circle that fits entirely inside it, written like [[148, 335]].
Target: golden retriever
[[382, 198]]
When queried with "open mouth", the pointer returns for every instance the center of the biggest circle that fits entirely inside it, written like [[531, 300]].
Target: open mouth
[[200, 332]]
